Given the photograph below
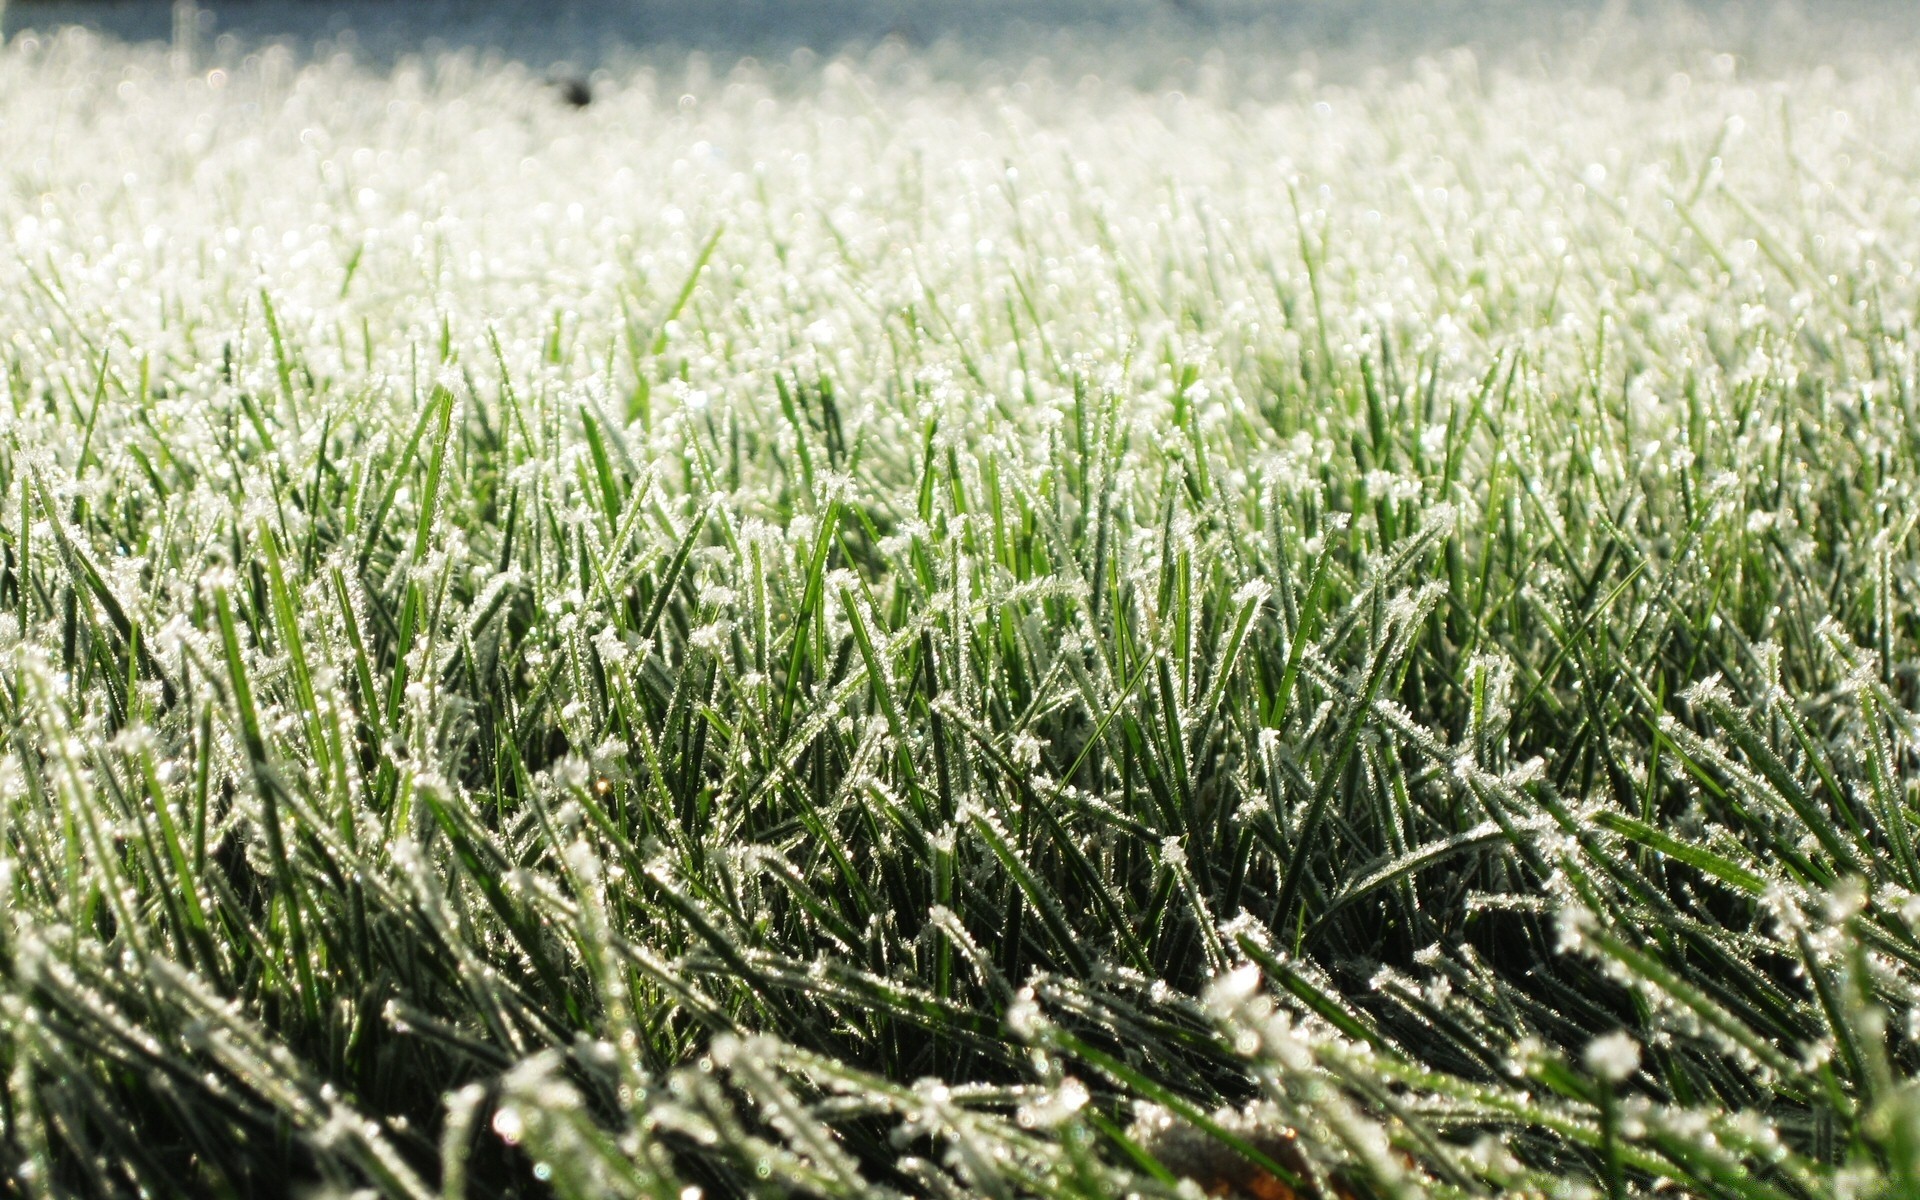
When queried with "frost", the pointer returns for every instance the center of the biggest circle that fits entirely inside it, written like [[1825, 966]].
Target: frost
[[1613, 1057], [579, 641]]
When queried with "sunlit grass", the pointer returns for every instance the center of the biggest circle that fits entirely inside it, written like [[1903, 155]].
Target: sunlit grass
[[858, 629]]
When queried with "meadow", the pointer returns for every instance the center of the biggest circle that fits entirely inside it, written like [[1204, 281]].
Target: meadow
[[1167, 620]]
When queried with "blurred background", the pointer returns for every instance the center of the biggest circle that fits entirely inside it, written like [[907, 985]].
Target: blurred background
[[589, 34]]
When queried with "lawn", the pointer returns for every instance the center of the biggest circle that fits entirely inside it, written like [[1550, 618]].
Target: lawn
[[1207, 614]]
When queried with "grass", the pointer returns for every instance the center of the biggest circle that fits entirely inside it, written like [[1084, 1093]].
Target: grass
[[848, 630]]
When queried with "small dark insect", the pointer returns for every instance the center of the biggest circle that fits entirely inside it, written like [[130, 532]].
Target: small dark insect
[[574, 91]]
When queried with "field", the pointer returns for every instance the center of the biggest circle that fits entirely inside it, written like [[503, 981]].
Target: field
[[1195, 616]]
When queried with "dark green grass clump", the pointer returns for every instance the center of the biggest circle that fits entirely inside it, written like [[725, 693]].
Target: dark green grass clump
[[1387, 673]]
